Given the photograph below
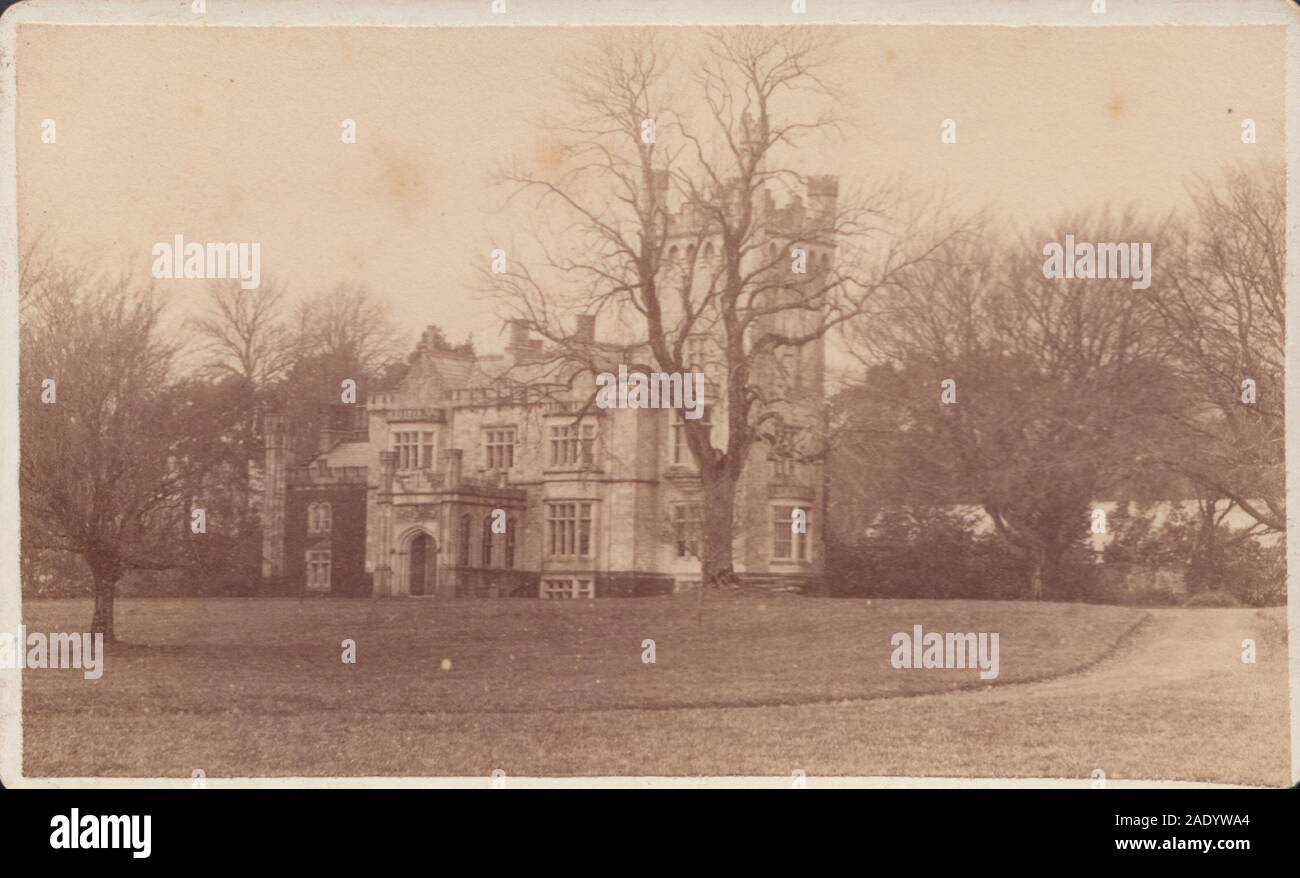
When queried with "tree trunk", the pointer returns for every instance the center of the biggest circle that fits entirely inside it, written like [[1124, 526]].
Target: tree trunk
[[1047, 579], [101, 622], [717, 529], [1209, 537], [1205, 565], [1039, 556]]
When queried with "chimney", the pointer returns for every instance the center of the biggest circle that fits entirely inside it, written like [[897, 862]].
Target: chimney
[[522, 348], [451, 462], [586, 328], [339, 423], [518, 333]]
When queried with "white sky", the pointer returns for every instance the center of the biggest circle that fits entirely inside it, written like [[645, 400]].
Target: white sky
[[232, 134]]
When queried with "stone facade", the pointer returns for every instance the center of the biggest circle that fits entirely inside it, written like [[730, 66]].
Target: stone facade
[[493, 476]]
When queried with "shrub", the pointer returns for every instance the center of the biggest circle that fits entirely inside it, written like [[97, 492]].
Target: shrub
[[924, 554], [1255, 574]]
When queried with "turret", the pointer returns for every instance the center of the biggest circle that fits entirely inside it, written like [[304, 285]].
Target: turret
[[275, 432]]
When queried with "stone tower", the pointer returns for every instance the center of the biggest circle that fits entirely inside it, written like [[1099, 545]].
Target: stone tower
[[275, 431]]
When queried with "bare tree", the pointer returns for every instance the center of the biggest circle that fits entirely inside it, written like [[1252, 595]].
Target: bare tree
[[242, 334], [346, 322], [98, 474], [1224, 313], [666, 224], [1054, 385], [244, 339]]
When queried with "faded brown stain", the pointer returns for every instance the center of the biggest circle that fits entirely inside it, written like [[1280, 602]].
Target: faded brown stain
[[1115, 107], [890, 56], [550, 157], [404, 181]]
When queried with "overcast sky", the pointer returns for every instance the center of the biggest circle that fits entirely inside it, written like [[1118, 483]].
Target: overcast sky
[[233, 134]]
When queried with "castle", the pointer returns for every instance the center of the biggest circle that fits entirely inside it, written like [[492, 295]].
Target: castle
[[495, 476]]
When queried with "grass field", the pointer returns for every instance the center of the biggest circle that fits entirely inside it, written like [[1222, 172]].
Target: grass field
[[767, 685]]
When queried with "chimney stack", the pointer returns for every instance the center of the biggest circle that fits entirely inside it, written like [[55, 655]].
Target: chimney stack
[[522, 347]]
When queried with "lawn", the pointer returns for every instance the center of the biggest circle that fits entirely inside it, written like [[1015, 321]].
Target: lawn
[[768, 684]]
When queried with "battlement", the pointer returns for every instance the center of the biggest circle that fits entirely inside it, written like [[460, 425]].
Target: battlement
[[794, 216]]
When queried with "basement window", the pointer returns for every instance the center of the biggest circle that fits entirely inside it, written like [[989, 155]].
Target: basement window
[[568, 588]]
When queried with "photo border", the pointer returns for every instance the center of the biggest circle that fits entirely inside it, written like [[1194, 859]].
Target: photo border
[[477, 13]]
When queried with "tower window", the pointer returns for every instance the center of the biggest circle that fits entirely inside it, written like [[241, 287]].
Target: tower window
[[319, 518], [318, 570], [784, 452]]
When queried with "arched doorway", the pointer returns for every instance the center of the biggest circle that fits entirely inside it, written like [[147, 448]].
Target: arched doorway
[[420, 565]]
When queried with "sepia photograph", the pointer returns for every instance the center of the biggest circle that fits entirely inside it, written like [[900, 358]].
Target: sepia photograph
[[498, 395]]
